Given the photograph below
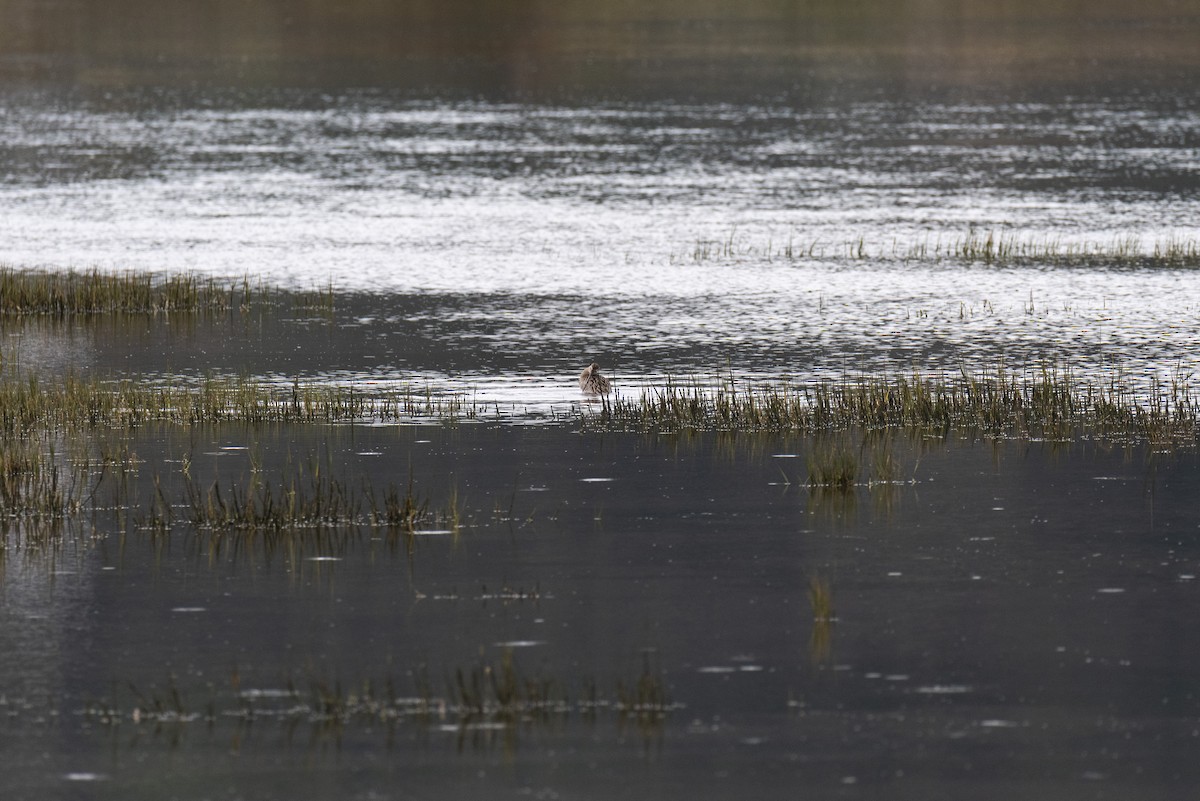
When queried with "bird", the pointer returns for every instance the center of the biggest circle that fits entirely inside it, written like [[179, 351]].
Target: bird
[[591, 382]]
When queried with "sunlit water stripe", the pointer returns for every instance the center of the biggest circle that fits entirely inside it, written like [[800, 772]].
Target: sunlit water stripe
[[388, 195]]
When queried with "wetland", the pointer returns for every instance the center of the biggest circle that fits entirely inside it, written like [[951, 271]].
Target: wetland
[[894, 494]]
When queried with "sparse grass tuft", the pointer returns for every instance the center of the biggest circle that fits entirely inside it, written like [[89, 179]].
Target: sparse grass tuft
[[491, 697], [35, 486], [832, 467]]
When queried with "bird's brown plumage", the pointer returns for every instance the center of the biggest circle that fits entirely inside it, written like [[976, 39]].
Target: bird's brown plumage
[[591, 382]]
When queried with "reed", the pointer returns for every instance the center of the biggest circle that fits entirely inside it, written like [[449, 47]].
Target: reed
[[73, 403], [1001, 247], [301, 501], [645, 699], [491, 693], [996, 402], [308, 498], [28, 292], [25, 292], [988, 246], [35, 486], [832, 467]]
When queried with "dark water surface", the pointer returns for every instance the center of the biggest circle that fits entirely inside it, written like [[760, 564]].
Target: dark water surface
[[1013, 618]]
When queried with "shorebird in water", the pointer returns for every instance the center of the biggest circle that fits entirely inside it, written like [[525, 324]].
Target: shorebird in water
[[591, 382]]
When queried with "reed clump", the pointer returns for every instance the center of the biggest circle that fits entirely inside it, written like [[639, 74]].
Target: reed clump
[[832, 467], [35, 486], [29, 292], [996, 402]]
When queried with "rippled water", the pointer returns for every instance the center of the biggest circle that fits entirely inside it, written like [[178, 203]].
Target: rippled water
[[661, 239]]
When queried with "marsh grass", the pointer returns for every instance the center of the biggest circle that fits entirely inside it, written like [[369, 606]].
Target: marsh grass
[[832, 466], [35, 485], [320, 301], [489, 694], [885, 468], [72, 403], [646, 698], [305, 498], [25, 292], [1000, 247], [998, 402], [28, 292], [988, 247], [498, 691]]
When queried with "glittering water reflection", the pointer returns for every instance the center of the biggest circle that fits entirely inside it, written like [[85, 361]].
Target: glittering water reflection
[[496, 248]]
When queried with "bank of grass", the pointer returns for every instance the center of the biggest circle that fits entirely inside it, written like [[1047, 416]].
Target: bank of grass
[[1050, 403], [74, 403], [27, 292]]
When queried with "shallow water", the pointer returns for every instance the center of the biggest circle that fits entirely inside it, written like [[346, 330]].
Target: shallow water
[[985, 636]]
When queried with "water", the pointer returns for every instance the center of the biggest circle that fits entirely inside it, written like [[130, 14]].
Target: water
[[493, 246], [985, 636], [497, 197]]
